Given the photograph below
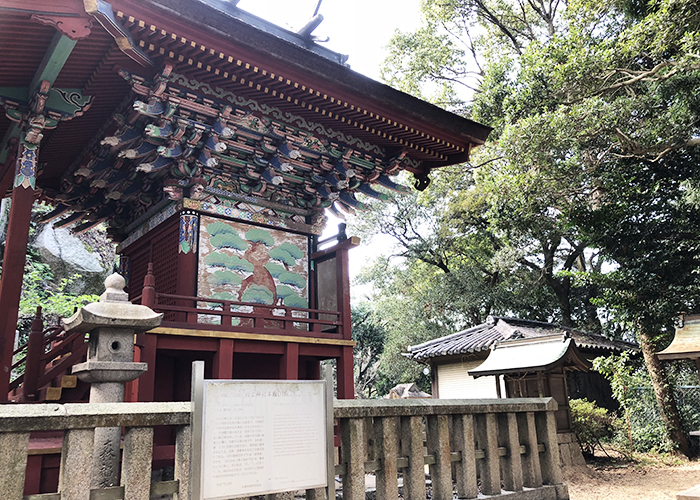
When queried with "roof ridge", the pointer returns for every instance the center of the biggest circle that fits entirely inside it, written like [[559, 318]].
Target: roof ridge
[[428, 343], [562, 327]]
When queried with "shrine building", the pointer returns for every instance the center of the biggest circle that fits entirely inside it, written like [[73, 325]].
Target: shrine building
[[211, 143]]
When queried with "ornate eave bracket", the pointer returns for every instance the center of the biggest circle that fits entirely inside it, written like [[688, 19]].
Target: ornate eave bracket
[[44, 109], [75, 28], [103, 13]]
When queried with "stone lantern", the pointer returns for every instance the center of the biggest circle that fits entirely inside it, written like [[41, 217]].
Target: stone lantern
[[112, 324]]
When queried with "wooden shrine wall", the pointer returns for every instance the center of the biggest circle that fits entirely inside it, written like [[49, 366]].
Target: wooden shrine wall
[[159, 246]]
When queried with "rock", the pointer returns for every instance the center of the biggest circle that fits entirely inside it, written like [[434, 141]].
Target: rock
[[4, 217], [67, 255]]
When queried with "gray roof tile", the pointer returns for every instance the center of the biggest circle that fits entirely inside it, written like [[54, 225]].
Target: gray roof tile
[[482, 337]]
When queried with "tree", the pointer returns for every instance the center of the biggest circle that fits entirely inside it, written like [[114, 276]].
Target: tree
[[370, 337], [596, 121]]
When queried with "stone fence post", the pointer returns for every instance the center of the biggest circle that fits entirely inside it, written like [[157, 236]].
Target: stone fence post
[[112, 324]]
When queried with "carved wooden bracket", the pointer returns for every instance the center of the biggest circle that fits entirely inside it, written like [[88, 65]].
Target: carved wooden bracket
[[74, 28]]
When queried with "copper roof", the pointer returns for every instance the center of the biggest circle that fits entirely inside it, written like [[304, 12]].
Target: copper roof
[[686, 341], [532, 355], [496, 329]]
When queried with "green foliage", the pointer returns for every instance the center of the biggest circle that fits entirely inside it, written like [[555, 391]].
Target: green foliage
[[592, 424], [628, 384], [284, 291], [228, 240], [584, 194], [290, 298], [38, 289], [260, 235]]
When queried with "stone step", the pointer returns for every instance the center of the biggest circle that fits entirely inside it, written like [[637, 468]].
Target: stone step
[[50, 394], [69, 381]]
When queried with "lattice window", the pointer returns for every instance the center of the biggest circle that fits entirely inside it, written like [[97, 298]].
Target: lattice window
[[161, 249], [164, 251], [138, 263]]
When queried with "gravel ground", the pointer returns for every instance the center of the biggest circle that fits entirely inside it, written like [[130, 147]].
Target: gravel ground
[[631, 481]]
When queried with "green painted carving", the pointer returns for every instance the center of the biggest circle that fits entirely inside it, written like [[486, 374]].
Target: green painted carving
[[260, 235], [289, 278], [61, 105], [26, 166], [258, 294], [68, 102], [275, 269], [219, 259], [224, 236], [286, 253], [220, 278]]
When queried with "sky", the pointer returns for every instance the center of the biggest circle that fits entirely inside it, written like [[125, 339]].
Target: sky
[[360, 29]]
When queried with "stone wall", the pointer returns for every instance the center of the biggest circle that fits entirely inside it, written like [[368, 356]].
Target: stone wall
[[569, 450]]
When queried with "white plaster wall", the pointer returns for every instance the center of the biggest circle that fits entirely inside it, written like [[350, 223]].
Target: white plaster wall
[[455, 383]]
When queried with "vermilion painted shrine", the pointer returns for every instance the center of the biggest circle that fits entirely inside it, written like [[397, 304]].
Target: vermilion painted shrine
[[210, 142]]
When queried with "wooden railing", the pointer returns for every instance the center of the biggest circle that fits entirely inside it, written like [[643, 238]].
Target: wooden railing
[[48, 353], [245, 316], [502, 448]]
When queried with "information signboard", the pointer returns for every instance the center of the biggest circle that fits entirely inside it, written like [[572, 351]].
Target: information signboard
[[260, 437]]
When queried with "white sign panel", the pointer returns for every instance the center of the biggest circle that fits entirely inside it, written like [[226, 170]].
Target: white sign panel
[[261, 437]]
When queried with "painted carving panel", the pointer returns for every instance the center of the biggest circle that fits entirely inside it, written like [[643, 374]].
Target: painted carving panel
[[246, 263]]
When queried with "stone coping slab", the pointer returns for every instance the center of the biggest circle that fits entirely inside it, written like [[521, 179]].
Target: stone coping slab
[[349, 408], [45, 417]]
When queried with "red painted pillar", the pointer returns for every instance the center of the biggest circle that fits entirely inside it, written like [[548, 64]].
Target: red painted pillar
[[15, 259], [344, 372], [7, 176], [147, 381], [289, 369], [145, 385], [223, 360], [313, 370], [148, 293], [32, 364]]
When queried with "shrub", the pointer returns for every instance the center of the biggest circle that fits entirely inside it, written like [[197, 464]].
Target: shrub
[[591, 424]]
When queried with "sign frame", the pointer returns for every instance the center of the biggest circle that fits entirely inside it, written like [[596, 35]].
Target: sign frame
[[199, 437]]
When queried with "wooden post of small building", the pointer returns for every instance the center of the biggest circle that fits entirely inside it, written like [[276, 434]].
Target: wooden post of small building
[[32, 361]]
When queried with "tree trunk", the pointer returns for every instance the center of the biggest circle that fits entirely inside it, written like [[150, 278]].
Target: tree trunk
[[664, 393]]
